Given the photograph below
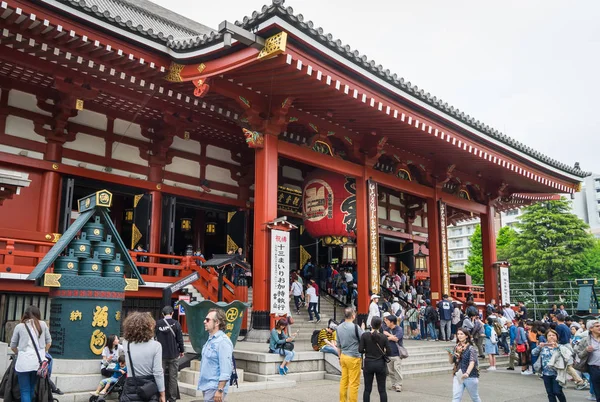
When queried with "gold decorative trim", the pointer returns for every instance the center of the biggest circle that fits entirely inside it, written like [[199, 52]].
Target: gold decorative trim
[[136, 236], [158, 186], [274, 46], [231, 244], [55, 166], [53, 237], [79, 104], [201, 67], [174, 74], [131, 284], [304, 256], [230, 216], [136, 199], [52, 280]]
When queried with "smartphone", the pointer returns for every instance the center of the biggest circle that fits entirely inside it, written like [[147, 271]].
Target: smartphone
[[449, 350]]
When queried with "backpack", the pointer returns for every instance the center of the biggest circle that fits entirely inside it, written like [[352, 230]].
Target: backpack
[[314, 339], [233, 380], [431, 313], [497, 328]]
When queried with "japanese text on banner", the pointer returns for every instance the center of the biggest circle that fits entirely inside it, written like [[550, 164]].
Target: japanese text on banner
[[280, 272]]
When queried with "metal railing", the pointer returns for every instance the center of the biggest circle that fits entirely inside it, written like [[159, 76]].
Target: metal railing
[[539, 296]]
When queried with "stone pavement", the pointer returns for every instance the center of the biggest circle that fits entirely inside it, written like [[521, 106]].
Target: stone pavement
[[500, 386]]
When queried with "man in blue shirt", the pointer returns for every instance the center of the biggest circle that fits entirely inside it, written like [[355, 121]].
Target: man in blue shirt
[[445, 309], [395, 335], [217, 354]]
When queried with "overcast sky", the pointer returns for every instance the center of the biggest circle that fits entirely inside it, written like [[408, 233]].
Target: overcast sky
[[528, 68]]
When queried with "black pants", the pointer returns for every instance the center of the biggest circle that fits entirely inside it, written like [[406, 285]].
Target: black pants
[[553, 389], [374, 368], [170, 369], [594, 372]]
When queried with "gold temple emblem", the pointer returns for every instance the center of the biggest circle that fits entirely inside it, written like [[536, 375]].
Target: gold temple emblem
[[117, 269], [97, 232], [97, 342], [174, 74], [274, 46], [70, 265], [76, 315], [107, 250], [94, 267], [82, 248], [100, 317], [232, 314], [131, 284], [52, 280], [118, 316], [79, 104]]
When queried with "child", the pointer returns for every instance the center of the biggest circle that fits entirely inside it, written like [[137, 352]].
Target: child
[[106, 383]]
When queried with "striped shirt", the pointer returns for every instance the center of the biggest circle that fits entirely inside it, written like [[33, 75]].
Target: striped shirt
[[323, 335]]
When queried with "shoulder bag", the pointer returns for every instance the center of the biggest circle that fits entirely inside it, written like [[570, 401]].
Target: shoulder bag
[[582, 364], [148, 389], [521, 347], [42, 370], [385, 357]]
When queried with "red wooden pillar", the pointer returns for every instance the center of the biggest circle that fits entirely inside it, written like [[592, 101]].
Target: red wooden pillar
[[362, 246], [50, 191], [435, 258], [488, 242], [265, 210]]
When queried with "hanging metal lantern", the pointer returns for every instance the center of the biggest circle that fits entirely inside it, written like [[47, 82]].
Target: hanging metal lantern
[[349, 253], [129, 215], [186, 224], [420, 261], [329, 207], [211, 228]]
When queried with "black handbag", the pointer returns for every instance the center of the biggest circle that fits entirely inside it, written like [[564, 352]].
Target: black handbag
[[148, 389]]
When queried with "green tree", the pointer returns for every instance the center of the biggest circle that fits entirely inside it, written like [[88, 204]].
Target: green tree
[[474, 265], [504, 243], [551, 243], [590, 266]]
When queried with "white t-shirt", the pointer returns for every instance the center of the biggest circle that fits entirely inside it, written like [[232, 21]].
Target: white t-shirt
[[313, 295], [115, 356], [373, 312], [395, 307], [296, 289], [349, 277]]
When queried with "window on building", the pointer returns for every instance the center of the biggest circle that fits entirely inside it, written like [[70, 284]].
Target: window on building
[[459, 254], [512, 212], [457, 232]]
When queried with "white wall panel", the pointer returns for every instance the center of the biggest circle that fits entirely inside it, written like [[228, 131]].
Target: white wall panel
[[128, 129], [381, 213], [124, 173], [22, 128], [219, 154], [23, 100], [87, 143], [186, 145], [184, 166], [220, 175], [83, 164], [91, 119], [17, 151], [182, 185], [395, 216], [418, 221], [224, 194], [394, 200], [128, 153]]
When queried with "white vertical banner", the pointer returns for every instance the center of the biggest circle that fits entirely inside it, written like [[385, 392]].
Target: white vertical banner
[[504, 284], [280, 272]]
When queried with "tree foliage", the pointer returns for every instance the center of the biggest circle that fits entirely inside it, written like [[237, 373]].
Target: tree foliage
[[474, 265], [505, 242], [551, 243]]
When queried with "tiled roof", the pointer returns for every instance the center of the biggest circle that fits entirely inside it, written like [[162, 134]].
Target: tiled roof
[[146, 18], [141, 17]]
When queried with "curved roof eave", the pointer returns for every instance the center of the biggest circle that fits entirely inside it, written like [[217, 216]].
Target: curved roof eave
[[198, 46]]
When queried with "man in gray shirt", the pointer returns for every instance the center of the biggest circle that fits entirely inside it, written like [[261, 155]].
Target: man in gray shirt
[[348, 336]]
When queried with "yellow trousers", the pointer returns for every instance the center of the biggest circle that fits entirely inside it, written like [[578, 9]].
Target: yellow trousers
[[350, 378]]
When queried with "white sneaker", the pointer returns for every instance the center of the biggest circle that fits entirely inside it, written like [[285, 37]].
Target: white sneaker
[[526, 372], [491, 368]]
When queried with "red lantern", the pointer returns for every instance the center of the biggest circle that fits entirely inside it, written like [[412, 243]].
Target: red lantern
[[329, 207]]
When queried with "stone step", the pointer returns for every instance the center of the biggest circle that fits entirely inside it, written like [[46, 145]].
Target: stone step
[[292, 375], [73, 383], [275, 383], [82, 397], [72, 366]]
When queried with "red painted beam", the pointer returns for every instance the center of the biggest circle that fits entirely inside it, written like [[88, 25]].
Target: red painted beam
[[395, 183], [461, 203], [312, 158]]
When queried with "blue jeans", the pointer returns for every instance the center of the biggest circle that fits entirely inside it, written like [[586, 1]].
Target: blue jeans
[[553, 389], [297, 301], [472, 386], [289, 355], [329, 349], [27, 382], [431, 330], [423, 329], [312, 308], [594, 372]]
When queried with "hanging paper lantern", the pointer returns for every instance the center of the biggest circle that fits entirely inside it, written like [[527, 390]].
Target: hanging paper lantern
[[329, 207]]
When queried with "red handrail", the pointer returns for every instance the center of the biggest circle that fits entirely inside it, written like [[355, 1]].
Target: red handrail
[[15, 259]]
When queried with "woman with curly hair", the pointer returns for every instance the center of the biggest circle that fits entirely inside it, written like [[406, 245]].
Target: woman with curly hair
[[145, 378]]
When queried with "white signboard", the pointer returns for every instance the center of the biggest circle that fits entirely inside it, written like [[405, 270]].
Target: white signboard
[[504, 285], [181, 308], [280, 272]]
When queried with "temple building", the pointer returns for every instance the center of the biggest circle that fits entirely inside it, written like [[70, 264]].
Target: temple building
[[206, 136]]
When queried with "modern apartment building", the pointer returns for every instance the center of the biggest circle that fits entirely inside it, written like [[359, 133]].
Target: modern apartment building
[[586, 203], [459, 244]]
